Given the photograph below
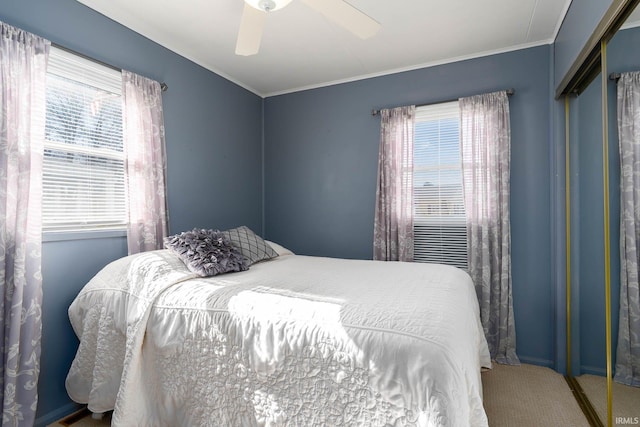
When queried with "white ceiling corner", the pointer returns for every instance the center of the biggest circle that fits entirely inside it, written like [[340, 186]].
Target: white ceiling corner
[[301, 49]]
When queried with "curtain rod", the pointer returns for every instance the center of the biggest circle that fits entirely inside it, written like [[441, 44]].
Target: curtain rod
[[615, 76], [163, 86], [376, 112]]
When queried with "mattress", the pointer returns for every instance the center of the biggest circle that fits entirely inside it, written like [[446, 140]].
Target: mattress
[[294, 341]]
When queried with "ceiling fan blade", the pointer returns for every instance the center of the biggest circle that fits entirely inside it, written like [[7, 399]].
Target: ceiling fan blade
[[347, 16], [250, 32]]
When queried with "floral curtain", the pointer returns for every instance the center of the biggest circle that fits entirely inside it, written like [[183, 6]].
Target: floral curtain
[[393, 223], [485, 139], [144, 147], [23, 63], [628, 353]]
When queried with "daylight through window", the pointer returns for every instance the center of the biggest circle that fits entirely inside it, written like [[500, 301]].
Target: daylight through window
[[83, 170], [440, 234]]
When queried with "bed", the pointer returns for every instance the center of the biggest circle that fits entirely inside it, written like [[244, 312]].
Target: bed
[[293, 341]]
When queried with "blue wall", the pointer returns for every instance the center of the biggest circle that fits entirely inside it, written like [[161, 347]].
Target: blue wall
[[213, 134], [321, 149]]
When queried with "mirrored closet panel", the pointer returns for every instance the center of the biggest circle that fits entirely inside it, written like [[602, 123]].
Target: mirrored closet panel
[[587, 232], [603, 116], [623, 108], [589, 288]]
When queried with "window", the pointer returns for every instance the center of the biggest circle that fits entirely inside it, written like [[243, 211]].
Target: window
[[83, 169], [440, 234]]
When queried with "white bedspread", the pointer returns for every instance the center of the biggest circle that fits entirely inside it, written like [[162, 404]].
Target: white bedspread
[[295, 341]]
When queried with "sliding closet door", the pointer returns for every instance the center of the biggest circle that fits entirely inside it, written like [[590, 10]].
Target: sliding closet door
[[623, 60], [589, 356]]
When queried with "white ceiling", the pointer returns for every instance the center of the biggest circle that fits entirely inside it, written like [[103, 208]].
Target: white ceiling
[[633, 20], [301, 49]]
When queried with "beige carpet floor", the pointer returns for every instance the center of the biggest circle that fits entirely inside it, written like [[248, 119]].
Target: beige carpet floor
[[529, 396], [514, 396], [626, 400]]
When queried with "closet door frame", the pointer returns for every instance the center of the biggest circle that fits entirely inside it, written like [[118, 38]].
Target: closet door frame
[[592, 61]]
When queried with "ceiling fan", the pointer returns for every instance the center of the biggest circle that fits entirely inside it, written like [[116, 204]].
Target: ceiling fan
[[338, 11]]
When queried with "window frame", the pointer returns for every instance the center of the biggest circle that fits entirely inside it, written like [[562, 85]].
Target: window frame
[[82, 70], [449, 231]]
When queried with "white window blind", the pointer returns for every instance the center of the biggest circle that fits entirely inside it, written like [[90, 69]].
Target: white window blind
[[440, 234], [83, 170]]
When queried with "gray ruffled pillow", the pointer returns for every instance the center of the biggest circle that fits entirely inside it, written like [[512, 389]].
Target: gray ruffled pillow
[[206, 252], [252, 246]]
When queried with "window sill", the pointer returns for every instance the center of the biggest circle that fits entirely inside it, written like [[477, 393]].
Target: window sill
[[58, 236]]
